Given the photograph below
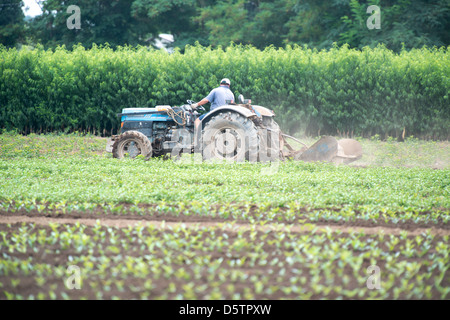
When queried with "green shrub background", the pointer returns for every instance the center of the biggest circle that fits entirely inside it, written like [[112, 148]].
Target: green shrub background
[[340, 91]]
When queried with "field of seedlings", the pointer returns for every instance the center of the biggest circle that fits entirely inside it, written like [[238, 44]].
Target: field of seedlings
[[77, 224]]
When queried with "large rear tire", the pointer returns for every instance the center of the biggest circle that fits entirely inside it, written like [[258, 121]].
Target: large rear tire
[[133, 143], [269, 141], [230, 136]]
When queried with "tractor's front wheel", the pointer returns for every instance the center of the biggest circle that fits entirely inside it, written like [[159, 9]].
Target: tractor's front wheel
[[133, 143], [230, 136]]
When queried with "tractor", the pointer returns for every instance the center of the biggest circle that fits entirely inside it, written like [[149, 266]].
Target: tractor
[[233, 132]]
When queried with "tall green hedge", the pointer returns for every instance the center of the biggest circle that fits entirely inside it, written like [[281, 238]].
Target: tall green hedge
[[337, 91]]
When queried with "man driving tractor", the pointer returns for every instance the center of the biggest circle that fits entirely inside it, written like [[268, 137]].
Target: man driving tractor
[[217, 97], [230, 131]]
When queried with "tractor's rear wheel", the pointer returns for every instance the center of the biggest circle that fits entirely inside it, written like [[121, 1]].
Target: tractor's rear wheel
[[230, 136], [133, 143], [269, 141]]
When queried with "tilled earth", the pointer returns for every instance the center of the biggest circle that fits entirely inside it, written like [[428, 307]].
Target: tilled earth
[[166, 256]]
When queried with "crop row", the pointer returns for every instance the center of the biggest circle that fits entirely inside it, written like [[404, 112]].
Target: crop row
[[103, 181], [244, 212], [13, 145], [410, 153], [217, 263]]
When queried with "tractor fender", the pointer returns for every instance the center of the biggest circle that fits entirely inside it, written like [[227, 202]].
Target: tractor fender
[[241, 110], [264, 111], [226, 108], [245, 112]]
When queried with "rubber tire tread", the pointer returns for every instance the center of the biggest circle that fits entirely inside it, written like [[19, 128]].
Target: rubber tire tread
[[272, 137], [144, 144], [241, 122]]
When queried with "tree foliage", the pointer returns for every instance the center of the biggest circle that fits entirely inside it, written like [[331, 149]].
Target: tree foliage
[[172, 16], [261, 23], [405, 23], [321, 23], [102, 22], [11, 22]]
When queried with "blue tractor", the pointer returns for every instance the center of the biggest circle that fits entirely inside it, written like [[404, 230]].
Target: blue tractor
[[236, 131], [232, 132]]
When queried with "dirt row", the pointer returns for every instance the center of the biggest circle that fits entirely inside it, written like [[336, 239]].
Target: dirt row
[[238, 214], [194, 222], [136, 271]]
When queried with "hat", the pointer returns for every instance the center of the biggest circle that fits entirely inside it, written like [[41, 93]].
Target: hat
[[225, 81]]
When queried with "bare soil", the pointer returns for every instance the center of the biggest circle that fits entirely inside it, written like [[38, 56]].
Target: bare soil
[[150, 214], [106, 280], [168, 222]]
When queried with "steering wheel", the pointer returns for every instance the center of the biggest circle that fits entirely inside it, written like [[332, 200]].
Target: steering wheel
[[199, 108]]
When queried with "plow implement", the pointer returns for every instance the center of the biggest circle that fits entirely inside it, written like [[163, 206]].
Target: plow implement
[[326, 149]]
